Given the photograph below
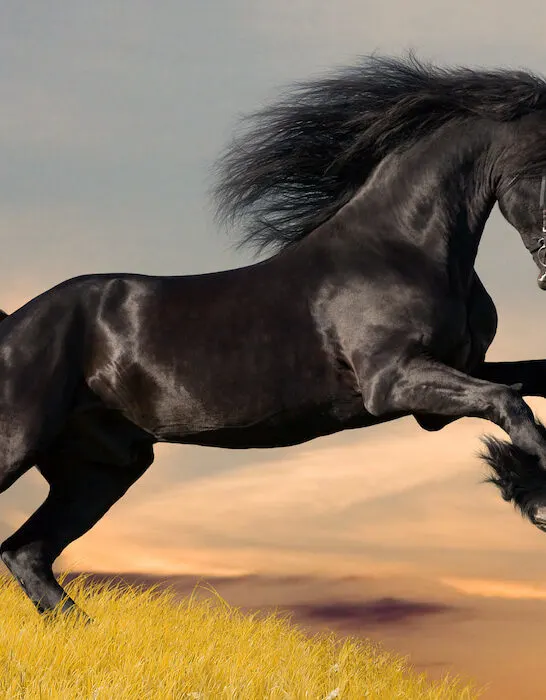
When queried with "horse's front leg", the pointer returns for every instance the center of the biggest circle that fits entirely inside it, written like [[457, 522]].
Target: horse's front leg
[[422, 385], [531, 374], [527, 376]]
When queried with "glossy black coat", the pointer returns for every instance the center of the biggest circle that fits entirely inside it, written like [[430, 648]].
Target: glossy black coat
[[369, 312]]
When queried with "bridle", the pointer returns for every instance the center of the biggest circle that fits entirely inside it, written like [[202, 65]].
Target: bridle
[[540, 247], [540, 250]]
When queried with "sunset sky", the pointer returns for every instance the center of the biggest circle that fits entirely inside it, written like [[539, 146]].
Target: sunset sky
[[112, 115]]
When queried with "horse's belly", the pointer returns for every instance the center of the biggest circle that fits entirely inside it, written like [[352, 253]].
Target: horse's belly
[[279, 430]]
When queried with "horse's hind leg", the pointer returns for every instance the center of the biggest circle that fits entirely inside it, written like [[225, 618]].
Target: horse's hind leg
[[81, 492]]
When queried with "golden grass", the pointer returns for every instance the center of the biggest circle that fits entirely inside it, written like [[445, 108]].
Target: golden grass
[[143, 644]]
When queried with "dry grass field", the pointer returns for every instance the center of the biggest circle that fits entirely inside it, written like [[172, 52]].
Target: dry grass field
[[144, 645]]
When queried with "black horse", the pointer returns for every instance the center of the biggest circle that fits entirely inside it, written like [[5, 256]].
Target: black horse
[[373, 187]]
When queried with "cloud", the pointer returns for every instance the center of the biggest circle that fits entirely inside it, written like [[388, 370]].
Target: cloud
[[383, 611], [518, 590], [308, 509], [348, 602]]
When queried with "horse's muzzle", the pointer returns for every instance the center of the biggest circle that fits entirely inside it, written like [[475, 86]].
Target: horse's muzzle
[[538, 517], [541, 280]]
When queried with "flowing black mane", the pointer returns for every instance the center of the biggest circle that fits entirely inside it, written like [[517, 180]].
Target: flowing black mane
[[306, 155]]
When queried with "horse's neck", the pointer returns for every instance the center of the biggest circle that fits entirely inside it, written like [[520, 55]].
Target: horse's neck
[[411, 205]]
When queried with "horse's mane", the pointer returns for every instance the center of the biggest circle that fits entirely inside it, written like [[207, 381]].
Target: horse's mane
[[304, 156]]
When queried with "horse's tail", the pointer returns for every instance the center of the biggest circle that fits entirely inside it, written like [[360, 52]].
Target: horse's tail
[[3, 315]]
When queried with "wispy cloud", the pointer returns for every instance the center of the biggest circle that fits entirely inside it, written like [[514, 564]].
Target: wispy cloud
[[318, 507], [497, 589]]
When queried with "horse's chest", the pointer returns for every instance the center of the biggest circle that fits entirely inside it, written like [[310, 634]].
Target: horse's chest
[[463, 335]]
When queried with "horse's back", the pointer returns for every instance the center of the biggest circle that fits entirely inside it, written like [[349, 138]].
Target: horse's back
[[187, 356]]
